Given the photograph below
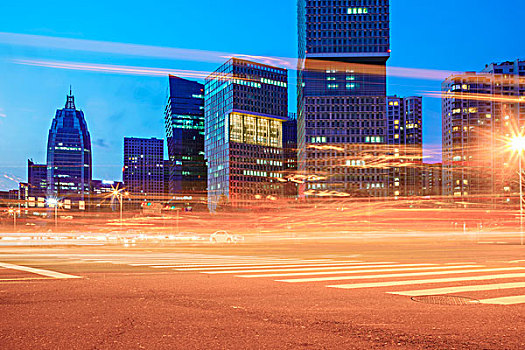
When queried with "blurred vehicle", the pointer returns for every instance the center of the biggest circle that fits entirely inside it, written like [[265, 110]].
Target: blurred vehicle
[[225, 237], [187, 236]]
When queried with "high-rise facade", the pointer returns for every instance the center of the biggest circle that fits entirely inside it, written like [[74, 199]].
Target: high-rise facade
[[245, 106], [432, 179], [481, 112], [342, 122], [37, 179], [184, 121], [143, 172], [405, 141], [290, 155], [69, 164], [103, 187]]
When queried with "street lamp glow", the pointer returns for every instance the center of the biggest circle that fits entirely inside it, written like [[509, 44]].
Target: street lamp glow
[[517, 143], [52, 202], [118, 194]]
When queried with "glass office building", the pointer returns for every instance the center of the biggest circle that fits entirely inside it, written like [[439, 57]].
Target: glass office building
[[143, 172], [246, 104], [37, 179], [481, 112], [69, 164], [405, 138], [342, 122], [184, 121]]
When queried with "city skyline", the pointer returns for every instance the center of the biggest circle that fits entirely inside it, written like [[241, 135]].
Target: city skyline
[[113, 98], [335, 174]]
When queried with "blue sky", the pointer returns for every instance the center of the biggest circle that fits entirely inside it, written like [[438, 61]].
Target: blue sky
[[448, 35]]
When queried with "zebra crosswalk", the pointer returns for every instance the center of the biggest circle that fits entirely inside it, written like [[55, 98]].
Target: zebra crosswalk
[[502, 284]]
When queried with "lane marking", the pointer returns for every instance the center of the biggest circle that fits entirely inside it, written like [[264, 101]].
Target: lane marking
[[460, 289], [249, 266], [41, 272], [227, 263], [395, 275], [305, 268], [427, 281], [266, 268], [518, 299], [23, 279], [355, 271]]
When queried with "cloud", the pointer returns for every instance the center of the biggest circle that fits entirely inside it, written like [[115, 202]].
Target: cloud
[[101, 143], [2, 114]]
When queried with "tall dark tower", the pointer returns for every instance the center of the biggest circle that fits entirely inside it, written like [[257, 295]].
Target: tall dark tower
[[184, 121], [342, 125], [69, 164]]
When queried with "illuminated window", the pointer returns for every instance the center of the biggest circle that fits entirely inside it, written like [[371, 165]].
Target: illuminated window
[[357, 11], [236, 128], [262, 131], [249, 129]]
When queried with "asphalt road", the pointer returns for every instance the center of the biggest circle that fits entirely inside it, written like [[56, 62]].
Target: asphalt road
[[278, 295]]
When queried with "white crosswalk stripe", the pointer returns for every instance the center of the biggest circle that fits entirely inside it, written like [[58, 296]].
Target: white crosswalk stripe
[[383, 274], [353, 271], [41, 272], [428, 281], [303, 267], [518, 299], [342, 278], [461, 289]]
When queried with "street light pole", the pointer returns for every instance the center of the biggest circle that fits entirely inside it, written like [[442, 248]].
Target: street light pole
[[13, 211], [56, 215], [120, 211], [521, 199], [178, 209]]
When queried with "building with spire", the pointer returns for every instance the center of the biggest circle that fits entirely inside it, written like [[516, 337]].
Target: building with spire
[[69, 159]]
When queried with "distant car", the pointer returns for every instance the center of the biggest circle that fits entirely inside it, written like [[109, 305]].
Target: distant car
[[187, 236], [225, 237]]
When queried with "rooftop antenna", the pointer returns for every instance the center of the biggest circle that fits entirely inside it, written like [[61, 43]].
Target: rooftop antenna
[[70, 104]]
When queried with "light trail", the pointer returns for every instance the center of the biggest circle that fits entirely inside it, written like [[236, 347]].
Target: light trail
[[195, 55]]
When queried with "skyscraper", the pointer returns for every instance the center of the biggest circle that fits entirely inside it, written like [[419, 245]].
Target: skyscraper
[[37, 179], [431, 176], [343, 50], [245, 106], [184, 121], [143, 172], [405, 140], [290, 154], [481, 111], [69, 154]]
